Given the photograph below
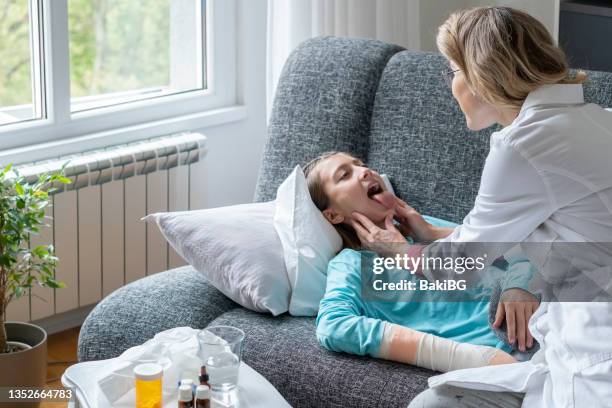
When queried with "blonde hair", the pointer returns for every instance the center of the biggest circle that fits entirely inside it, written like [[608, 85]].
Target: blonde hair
[[503, 53], [321, 199]]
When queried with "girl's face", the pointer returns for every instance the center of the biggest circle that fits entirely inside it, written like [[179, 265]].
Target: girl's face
[[351, 186], [478, 114]]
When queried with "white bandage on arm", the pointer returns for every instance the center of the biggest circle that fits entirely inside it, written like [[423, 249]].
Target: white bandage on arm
[[440, 354], [385, 344], [436, 353]]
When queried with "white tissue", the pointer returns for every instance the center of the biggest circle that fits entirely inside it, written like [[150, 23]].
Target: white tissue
[[176, 350]]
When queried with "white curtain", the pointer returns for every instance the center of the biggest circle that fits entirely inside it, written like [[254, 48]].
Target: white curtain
[[292, 21]]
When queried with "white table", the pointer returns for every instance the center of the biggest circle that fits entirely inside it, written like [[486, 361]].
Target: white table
[[254, 391]]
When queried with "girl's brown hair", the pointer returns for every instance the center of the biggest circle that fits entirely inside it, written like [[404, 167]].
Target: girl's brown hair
[[503, 53], [321, 200]]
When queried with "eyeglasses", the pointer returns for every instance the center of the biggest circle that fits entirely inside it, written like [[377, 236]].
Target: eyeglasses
[[449, 75]]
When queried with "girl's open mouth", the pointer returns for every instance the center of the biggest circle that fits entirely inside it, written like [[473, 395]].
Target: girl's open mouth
[[384, 198]]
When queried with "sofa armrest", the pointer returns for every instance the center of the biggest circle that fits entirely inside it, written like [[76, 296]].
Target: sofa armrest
[[136, 312]]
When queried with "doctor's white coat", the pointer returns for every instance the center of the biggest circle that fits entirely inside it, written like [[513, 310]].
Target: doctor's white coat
[[548, 178]]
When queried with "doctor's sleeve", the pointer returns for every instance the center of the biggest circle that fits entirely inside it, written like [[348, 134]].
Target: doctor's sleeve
[[341, 323], [519, 271], [512, 201]]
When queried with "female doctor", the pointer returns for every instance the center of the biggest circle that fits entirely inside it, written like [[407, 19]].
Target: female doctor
[[547, 179]]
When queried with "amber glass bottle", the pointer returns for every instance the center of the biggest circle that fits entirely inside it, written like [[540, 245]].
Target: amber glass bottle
[[202, 397], [185, 399]]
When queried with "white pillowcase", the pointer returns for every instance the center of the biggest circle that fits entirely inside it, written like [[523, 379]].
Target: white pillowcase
[[237, 250], [309, 242], [387, 182]]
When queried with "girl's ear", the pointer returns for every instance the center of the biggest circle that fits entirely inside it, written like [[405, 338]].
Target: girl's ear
[[332, 216]]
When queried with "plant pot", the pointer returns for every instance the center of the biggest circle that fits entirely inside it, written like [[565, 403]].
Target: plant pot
[[26, 368]]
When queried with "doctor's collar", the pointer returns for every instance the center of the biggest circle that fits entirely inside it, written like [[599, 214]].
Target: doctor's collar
[[557, 94]]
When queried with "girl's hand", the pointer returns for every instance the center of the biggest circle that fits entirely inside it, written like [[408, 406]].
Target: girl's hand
[[387, 241], [517, 306], [413, 224]]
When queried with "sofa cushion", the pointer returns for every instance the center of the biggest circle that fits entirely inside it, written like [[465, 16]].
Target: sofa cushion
[[598, 88], [323, 102], [420, 139], [134, 313], [284, 349]]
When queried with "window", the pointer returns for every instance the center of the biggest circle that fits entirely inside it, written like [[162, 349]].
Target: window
[[21, 91], [121, 51], [94, 69]]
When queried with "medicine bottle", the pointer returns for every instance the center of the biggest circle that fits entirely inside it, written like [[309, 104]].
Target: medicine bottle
[[185, 399], [203, 377], [189, 382], [202, 397], [148, 379]]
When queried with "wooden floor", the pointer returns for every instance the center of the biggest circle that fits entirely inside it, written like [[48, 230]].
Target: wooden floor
[[61, 353]]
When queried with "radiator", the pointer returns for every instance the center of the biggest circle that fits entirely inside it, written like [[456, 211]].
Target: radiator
[[94, 223]]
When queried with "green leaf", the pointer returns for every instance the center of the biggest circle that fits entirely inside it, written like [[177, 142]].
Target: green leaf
[[64, 180], [19, 188], [52, 283], [41, 251]]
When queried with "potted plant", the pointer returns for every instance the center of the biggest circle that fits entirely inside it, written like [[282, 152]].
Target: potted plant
[[23, 347]]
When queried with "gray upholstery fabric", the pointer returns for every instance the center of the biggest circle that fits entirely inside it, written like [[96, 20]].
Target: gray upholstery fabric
[[331, 94], [598, 88], [285, 350], [420, 139], [502, 331], [134, 313], [323, 102]]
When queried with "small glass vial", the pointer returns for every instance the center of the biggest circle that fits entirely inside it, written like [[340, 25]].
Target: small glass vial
[[185, 399], [203, 377], [189, 382], [202, 397], [148, 379]]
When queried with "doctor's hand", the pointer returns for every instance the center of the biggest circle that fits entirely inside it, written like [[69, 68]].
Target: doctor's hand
[[413, 224], [387, 241], [516, 306]]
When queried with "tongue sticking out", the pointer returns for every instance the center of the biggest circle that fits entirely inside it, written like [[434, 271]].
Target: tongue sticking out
[[386, 199]]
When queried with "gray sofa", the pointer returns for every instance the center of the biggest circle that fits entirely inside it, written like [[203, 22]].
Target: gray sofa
[[388, 106]]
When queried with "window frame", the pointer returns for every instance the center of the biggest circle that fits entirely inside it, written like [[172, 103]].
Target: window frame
[[129, 121], [35, 110]]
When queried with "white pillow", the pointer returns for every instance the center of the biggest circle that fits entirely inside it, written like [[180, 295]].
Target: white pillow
[[387, 182], [237, 250], [309, 242]]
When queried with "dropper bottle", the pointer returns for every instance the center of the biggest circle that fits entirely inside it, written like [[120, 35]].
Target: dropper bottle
[[202, 397], [189, 382], [203, 377], [185, 399]]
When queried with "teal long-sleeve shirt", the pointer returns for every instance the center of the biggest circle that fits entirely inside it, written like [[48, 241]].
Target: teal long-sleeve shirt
[[348, 323]]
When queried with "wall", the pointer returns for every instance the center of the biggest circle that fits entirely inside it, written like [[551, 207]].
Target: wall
[[433, 13], [547, 11], [230, 169]]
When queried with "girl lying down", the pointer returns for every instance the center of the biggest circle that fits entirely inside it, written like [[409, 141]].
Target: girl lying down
[[438, 335]]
